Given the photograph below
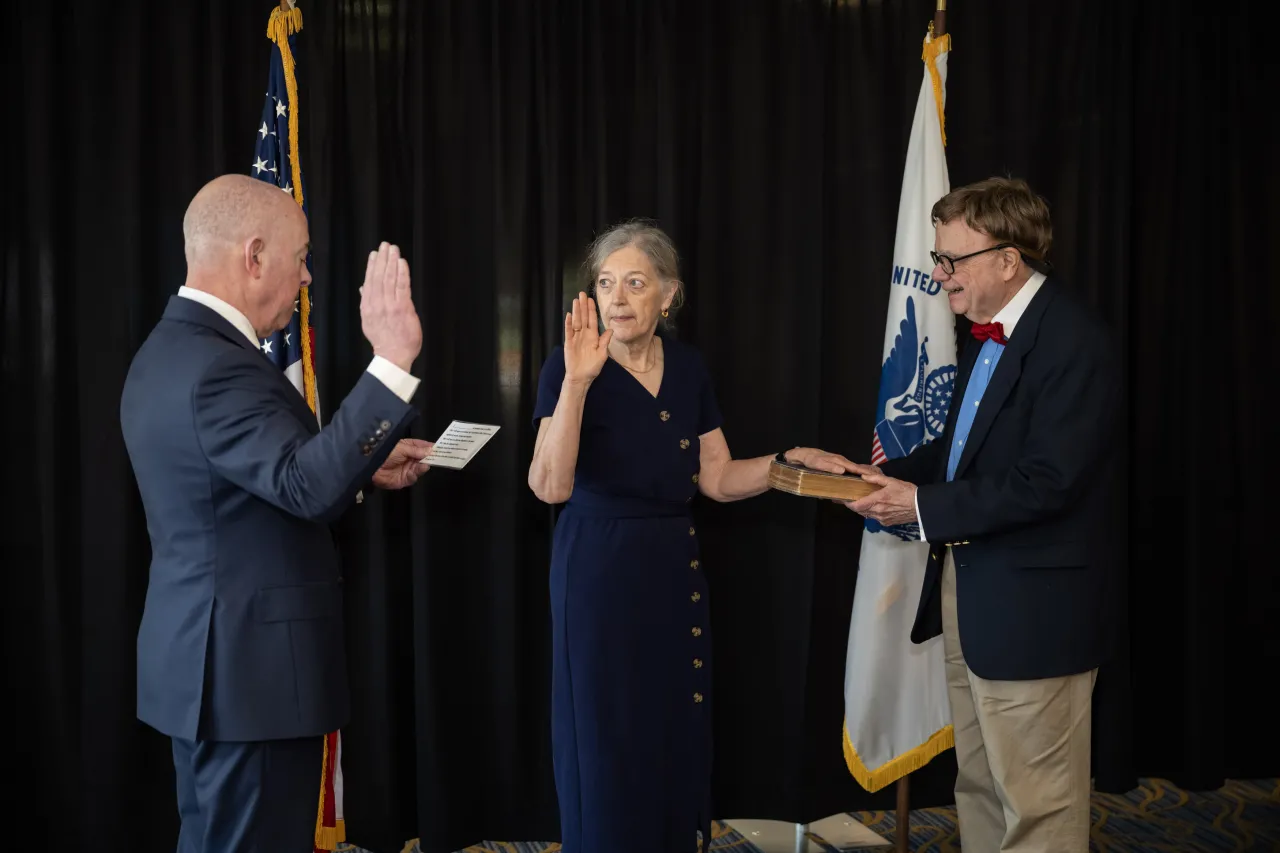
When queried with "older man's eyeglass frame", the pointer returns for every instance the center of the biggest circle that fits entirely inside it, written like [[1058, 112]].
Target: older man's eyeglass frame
[[948, 263]]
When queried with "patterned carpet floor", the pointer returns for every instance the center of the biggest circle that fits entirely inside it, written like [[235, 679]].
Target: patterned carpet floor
[[1242, 816]]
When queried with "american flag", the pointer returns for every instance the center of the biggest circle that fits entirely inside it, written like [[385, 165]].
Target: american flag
[[276, 161]]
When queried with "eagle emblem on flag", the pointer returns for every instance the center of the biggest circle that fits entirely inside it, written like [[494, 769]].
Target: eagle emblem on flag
[[912, 406]]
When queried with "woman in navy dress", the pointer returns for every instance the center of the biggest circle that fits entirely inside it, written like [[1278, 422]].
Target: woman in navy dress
[[628, 433]]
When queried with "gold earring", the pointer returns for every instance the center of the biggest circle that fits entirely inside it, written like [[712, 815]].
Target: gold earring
[[664, 312]]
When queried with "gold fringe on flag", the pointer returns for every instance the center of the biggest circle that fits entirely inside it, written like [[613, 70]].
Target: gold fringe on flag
[[323, 841], [933, 48], [873, 779], [329, 835], [280, 26]]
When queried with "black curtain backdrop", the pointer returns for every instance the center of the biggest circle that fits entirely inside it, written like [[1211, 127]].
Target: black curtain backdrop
[[491, 140]]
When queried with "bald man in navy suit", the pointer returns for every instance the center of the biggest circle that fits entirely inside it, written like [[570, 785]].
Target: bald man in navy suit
[[240, 653]]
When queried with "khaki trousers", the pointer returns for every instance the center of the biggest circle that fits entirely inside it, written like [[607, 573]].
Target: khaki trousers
[[1023, 752]]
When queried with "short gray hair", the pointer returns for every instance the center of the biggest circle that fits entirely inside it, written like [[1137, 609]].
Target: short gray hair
[[646, 236]]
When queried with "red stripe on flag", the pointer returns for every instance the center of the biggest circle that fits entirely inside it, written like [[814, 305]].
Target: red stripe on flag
[[877, 452]]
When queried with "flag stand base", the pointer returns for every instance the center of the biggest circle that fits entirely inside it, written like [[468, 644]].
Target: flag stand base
[[802, 837], [775, 836], [840, 831]]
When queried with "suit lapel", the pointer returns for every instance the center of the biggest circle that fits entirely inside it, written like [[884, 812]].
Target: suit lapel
[[1007, 373]]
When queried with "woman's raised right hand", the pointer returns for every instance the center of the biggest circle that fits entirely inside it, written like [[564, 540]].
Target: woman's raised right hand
[[585, 349]]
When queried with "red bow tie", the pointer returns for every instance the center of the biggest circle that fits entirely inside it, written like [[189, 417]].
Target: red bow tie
[[993, 331]]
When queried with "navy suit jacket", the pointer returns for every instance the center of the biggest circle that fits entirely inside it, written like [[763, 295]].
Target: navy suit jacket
[[242, 631], [1029, 514]]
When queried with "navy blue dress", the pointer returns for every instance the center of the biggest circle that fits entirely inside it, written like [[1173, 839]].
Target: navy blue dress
[[631, 675]]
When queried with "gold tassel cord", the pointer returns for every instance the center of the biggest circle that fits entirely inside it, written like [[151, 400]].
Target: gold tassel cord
[[281, 25], [308, 369]]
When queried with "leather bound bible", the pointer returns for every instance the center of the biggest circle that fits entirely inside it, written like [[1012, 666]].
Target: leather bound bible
[[798, 480]]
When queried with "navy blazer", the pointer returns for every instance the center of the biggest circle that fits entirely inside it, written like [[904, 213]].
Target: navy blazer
[[1029, 513], [242, 631]]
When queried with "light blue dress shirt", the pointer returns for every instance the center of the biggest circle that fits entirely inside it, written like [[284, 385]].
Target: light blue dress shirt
[[988, 358], [983, 369]]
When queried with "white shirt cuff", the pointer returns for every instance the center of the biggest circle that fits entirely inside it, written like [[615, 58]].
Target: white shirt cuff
[[402, 384], [919, 520]]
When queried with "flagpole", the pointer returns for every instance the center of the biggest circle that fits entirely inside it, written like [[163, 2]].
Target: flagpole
[[937, 27]]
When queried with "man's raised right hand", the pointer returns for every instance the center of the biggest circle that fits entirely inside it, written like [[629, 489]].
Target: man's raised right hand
[[387, 316]]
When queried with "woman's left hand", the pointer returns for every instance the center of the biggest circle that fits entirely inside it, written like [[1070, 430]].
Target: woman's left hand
[[821, 460]]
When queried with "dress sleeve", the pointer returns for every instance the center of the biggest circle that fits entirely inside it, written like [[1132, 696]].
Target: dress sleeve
[[709, 418], [549, 382]]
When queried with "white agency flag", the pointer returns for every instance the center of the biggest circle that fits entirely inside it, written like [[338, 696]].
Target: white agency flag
[[895, 692]]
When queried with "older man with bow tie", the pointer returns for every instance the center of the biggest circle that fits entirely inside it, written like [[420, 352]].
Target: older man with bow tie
[[1014, 501]]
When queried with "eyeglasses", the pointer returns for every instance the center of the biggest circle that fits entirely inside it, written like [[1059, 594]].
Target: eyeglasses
[[948, 263]]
